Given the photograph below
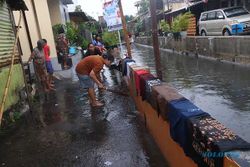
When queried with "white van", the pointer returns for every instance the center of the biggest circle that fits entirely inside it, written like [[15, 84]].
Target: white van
[[223, 21]]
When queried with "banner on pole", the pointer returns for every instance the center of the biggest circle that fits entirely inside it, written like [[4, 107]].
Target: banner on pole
[[112, 16]]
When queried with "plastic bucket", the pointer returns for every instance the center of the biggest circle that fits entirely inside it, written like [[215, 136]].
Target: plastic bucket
[[72, 50]]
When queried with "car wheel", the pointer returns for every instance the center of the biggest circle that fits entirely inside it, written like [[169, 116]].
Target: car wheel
[[226, 32], [203, 33]]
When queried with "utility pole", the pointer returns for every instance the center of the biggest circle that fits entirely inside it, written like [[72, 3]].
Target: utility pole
[[155, 39], [125, 30]]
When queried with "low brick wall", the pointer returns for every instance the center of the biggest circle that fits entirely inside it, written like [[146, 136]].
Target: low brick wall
[[232, 49]]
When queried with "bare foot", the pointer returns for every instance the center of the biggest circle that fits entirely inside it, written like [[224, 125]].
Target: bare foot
[[46, 90], [97, 104], [53, 89]]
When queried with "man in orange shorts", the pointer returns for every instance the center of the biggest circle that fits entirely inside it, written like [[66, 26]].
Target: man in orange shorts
[[88, 72]]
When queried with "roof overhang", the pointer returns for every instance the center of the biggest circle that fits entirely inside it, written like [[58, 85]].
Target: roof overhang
[[169, 12], [67, 2], [17, 4], [78, 17]]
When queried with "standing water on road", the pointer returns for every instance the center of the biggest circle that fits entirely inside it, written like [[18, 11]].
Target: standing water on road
[[221, 89], [65, 131]]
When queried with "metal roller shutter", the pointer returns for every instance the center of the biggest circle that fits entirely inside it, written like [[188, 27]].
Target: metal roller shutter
[[7, 37]]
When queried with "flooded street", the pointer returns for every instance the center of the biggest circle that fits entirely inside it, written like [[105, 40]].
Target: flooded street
[[66, 131], [221, 89]]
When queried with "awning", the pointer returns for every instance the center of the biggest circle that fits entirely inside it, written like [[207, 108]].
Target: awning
[[17, 4], [78, 16], [184, 8], [67, 2]]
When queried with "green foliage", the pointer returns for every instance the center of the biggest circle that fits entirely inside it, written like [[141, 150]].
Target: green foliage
[[164, 26], [110, 38], [85, 44], [143, 6], [138, 26], [71, 33], [2, 2], [129, 18], [92, 26], [57, 29], [176, 26], [180, 23]]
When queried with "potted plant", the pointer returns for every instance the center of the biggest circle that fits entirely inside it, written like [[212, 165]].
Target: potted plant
[[164, 27], [180, 25]]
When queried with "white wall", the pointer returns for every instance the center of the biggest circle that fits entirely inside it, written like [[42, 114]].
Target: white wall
[[44, 24], [38, 28], [23, 37]]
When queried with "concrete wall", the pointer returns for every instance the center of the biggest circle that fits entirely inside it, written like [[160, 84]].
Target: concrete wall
[[232, 49], [23, 36], [55, 13], [64, 13], [39, 23], [159, 125], [17, 84], [44, 24], [58, 12]]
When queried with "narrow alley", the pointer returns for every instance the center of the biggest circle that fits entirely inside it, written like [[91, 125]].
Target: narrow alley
[[65, 131]]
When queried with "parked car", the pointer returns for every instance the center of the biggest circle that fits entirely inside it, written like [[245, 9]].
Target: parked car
[[227, 21]]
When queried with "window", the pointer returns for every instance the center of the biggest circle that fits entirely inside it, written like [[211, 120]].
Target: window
[[219, 15], [211, 15], [204, 17], [237, 11]]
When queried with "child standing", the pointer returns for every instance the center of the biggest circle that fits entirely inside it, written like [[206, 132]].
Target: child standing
[[48, 63]]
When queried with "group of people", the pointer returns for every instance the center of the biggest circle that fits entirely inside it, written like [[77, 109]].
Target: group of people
[[42, 64], [96, 47], [89, 68]]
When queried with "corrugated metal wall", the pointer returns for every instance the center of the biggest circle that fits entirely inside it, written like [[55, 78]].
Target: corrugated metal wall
[[7, 37]]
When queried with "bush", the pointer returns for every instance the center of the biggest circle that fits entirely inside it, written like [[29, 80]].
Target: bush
[[84, 44], [58, 29], [110, 39], [181, 22], [71, 33], [164, 26]]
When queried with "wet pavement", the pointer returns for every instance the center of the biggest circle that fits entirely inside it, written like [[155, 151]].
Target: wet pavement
[[65, 131], [221, 89]]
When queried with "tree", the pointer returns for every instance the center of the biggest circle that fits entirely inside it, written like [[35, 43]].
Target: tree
[[129, 18], [143, 6], [78, 8]]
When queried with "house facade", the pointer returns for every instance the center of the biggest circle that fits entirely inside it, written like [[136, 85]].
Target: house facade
[[38, 21], [214, 4], [58, 10]]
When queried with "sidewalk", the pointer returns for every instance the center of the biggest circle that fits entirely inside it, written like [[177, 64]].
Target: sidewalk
[[66, 131]]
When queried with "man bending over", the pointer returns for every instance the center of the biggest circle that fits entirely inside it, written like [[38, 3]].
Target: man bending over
[[88, 72]]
